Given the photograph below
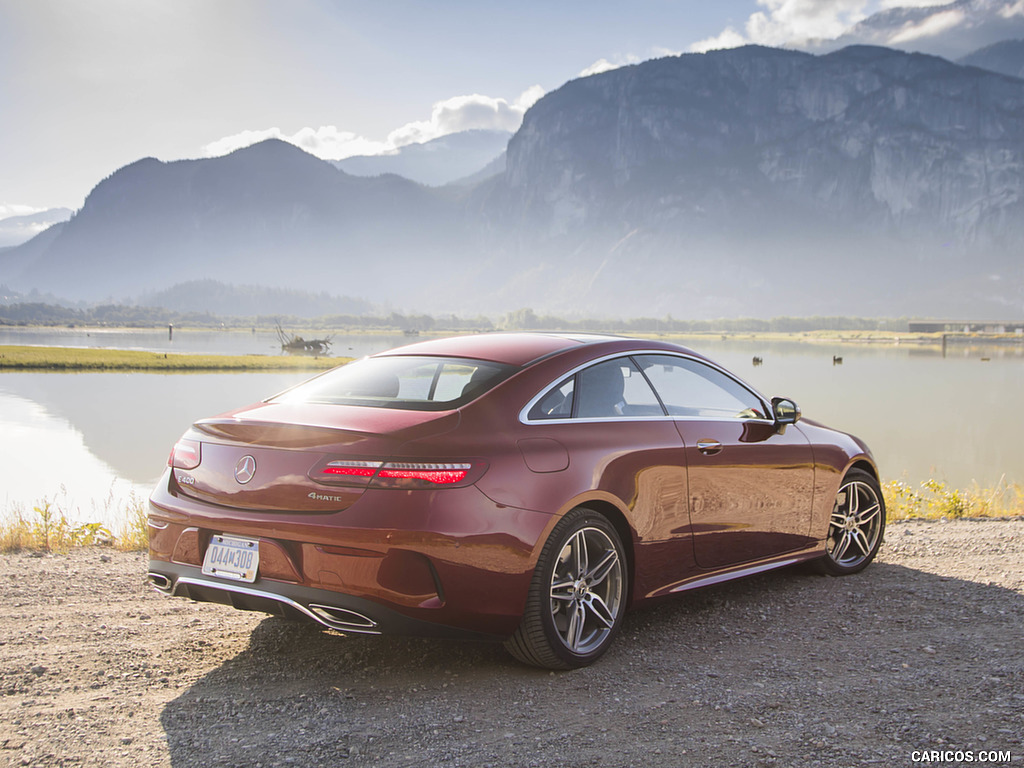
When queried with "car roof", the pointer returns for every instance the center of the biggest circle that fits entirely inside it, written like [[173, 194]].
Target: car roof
[[509, 348]]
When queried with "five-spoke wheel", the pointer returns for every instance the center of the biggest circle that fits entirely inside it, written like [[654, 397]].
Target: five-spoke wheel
[[577, 597]]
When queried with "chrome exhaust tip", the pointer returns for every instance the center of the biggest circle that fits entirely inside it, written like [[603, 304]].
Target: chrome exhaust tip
[[159, 582], [343, 619]]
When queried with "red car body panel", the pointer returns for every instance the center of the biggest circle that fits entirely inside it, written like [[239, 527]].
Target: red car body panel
[[460, 559]]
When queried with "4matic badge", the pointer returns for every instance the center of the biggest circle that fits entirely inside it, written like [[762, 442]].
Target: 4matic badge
[[322, 497]]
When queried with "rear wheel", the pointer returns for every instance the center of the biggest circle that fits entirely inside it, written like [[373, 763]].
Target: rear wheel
[[856, 525], [577, 597]]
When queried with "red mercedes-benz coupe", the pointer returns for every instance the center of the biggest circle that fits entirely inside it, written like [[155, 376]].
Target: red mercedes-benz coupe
[[527, 487]]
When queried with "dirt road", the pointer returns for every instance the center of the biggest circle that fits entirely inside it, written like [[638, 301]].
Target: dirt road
[[922, 652]]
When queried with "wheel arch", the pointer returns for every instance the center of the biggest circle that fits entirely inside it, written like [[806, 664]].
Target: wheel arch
[[615, 516], [865, 465]]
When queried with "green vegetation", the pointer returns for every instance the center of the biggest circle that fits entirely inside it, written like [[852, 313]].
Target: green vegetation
[[65, 359], [933, 499]]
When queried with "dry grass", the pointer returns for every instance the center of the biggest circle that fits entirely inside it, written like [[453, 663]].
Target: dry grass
[[48, 526], [934, 499]]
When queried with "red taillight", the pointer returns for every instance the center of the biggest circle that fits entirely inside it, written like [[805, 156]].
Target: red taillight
[[399, 474], [438, 474], [186, 454], [351, 468]]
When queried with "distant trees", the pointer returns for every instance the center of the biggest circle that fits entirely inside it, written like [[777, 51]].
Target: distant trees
[[525, 319]]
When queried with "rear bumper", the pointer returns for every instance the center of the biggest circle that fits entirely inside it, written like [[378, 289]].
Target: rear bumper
[[334, 610], [448, 562]]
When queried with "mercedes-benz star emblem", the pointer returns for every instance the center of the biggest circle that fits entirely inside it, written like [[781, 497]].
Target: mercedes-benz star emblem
[[245, 469]]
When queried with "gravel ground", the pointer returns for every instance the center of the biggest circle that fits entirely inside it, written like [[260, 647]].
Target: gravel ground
[[922, 651]]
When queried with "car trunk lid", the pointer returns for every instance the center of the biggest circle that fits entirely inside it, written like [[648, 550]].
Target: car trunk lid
[[260, 458]]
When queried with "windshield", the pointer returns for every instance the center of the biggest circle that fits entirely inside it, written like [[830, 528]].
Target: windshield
[[412, 383]]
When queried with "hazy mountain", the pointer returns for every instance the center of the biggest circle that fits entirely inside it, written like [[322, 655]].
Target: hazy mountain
[[759, 180], [951, 29], [252, 300], [268, 214], [494, 168], [751, 181], [437, 162], [1006, 57], [15, 230]]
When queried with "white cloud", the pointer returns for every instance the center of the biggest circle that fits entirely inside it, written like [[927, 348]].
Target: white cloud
[[459, 113], [604, 65], [812, 23], [729, 38], [790, 22], [13, 209], [885, 5], [463, 113], [931, 26], [1010, 11]]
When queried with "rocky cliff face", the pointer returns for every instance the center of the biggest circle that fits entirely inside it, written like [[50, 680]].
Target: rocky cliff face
[[864, 137], [709, 177]]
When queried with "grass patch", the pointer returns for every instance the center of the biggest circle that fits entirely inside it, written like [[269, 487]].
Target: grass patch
[[934, 499], [20, 358], [48, 528]]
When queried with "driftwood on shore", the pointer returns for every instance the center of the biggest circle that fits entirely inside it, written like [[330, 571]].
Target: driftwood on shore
[[297, 345]]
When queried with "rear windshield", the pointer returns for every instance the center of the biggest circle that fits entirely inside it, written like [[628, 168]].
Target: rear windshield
[[412, 383]]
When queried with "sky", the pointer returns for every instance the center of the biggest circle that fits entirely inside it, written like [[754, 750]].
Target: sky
[[88, 86]]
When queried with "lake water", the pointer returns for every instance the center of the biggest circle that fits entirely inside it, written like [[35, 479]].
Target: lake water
[[90, 440]]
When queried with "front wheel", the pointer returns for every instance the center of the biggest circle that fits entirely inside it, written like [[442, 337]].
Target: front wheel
[[577, 596], [856, 525]]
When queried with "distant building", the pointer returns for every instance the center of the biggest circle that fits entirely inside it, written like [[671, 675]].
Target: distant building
[[955, 326]]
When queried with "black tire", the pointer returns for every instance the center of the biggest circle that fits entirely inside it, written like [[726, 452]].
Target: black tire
[[577, 597], [856, 526]]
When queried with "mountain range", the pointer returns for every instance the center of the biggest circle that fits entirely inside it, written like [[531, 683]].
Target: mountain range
[[751, 181], [448, 159], [15, 230]]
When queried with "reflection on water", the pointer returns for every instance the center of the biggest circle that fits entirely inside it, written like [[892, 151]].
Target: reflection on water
[[45, 458], [103, 435], [956, 418]]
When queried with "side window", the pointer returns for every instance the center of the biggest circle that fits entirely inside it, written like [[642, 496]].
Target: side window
[[690, 388], [612, 389], [556, 404]]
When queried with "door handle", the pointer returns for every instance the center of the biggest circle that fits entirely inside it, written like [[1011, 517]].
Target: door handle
[[709, 447]]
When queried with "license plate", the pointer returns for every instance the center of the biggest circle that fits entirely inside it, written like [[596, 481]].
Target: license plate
[[228, 557]]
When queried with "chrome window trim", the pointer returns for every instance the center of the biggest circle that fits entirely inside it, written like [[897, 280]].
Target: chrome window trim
[[524, 418]]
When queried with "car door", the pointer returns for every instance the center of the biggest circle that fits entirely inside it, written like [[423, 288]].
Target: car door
[[750, 481], [608, 419]]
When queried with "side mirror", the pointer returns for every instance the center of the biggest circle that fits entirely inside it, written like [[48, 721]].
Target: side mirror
[[785, 411]]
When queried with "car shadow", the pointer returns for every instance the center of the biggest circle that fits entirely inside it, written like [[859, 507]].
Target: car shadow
[[790, 666]]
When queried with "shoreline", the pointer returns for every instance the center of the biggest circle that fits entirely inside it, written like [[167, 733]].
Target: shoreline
[[82, 359], [814, 336]]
